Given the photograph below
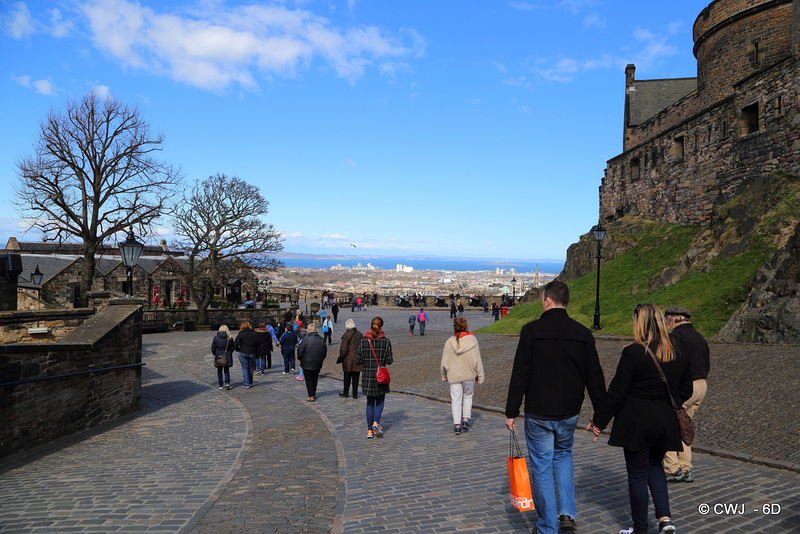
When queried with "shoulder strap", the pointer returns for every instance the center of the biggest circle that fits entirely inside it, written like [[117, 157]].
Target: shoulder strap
[[663, 378], [373, 352]]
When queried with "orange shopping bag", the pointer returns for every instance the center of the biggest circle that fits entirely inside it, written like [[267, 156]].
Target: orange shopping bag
[[519, 482]]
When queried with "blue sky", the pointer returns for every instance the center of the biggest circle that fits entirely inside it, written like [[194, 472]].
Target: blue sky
[[444, 128]]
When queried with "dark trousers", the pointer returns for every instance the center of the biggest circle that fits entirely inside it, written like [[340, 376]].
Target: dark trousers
[[311, 378], [326, 336], [351, 377], [645, 471]]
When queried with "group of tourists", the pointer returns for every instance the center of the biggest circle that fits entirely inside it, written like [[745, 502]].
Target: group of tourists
[[555, 363]]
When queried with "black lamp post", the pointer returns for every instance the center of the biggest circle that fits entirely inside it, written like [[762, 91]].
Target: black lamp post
[[514, 291], [599, 233], [130, 250]]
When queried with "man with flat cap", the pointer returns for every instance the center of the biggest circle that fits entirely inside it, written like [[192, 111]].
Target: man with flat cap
[[678, 465]]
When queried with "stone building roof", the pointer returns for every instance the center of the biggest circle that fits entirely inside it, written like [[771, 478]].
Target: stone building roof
[[646, 98], [50, 247]]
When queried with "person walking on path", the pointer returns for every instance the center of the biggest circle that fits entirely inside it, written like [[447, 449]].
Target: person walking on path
[[412, 320], [288, 343], [311, 351], [327, 330], [422, 319], [246, 345], [222, 344], [462, 368], [556, 360], [645, 425], [678, 465], [335, 312], [374, 350], [453, 309], [264, 350], [347, 357]]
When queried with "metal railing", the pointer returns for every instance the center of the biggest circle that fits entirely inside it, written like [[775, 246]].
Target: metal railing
[[67, 375]]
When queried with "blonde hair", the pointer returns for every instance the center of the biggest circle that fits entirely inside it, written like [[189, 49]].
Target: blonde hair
[[649, 325], [223, 328]]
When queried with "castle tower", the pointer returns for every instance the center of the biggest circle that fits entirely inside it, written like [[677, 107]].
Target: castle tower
[[735, 39]]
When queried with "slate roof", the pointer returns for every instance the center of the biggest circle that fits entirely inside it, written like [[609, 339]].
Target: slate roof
[[648, 97]]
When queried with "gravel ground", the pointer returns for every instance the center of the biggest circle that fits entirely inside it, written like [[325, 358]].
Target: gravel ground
[[751, 408]]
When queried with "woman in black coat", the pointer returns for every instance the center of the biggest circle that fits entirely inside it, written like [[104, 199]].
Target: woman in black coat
[[223, 344], [246, 345], [645, 425]]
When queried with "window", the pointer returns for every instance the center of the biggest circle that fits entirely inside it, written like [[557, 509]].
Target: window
[[754, 54], [748, 119], [676, 150], [635, 171], [709, 134], [724, 129]]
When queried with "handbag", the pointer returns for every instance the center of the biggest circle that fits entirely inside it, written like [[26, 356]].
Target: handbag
[[222, 361], [685, 424], [382, 375], [519, 482]]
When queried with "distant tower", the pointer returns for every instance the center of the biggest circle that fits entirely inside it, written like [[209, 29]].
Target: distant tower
[[536, 277]]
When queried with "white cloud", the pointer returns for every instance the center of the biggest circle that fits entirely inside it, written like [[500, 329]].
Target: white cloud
[[102, 91], [335, 236], [594, 21], [223, 45], [520, 81], [58, 26], [350, 162], [43, 87], [18, 23]]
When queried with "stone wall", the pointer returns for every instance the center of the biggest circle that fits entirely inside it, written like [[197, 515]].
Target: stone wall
[[735, 39], [98, 365], [681, 174]]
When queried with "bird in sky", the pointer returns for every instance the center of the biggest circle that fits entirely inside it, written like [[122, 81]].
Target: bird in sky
[[352, 245]]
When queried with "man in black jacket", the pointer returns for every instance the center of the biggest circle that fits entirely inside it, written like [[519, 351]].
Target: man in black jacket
[[311, 351], [691, 343], [556, 360]]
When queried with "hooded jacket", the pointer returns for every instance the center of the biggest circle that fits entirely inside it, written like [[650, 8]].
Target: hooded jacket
[[461, 359]]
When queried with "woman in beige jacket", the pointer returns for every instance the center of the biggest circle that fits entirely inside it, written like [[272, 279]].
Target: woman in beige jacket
[[462, 367]]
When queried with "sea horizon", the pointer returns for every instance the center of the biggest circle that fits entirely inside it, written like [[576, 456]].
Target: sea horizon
[[419, 262]]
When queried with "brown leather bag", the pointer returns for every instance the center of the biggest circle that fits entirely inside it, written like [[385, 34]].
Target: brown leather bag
[[685, 424]]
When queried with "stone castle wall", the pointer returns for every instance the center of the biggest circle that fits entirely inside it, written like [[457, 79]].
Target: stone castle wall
[[693, 155], [55, 388]]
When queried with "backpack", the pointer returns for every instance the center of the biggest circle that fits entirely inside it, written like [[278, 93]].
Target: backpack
[[421, 317]]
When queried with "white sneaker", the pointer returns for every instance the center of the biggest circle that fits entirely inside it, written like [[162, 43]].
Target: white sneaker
[[626, 531]]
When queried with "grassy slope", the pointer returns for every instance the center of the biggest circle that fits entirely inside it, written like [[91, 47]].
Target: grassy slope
[[712, 296]]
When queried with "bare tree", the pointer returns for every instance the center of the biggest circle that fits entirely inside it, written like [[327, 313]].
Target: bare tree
[[218, 224], [93, 174]]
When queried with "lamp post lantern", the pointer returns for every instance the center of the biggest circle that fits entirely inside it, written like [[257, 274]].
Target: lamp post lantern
[[36, 276], [514, 291], [599, 233], [131, 251]]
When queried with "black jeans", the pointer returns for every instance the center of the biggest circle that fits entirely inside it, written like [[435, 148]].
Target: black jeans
[[351, 376], [645, 470], [311, 377]]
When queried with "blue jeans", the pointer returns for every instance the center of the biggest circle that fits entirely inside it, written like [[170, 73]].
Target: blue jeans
[[550, 452], [288, 360], [227, 372], [261, 363], [247, 368], [374, 409], [422, 328]]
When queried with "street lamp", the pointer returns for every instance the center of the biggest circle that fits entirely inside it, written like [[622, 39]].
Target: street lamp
[[514, 290], [599, 233], [130, 250], [36, 276]]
